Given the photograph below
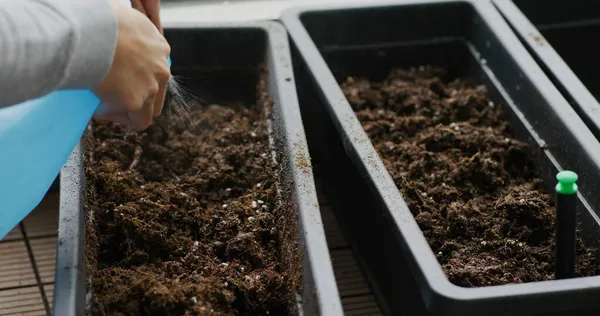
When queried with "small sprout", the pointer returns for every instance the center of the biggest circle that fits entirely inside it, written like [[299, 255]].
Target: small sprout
[[491, 104], [424, 194], [224, 206], [483, 243], [258, 185], [254, 204], [242, 269], [196, 243], [253, 134], [520, 244], [142, 187], [228, 190], [440, 253], [250, 218], [261, 202], [194, 300]]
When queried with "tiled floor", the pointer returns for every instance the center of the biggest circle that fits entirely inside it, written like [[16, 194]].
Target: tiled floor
[[22, 294], [27, 265], [357, 298], [27, 262], [28, 255]]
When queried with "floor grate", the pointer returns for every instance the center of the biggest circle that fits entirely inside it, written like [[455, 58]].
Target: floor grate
[[357, 297], [27, 262]]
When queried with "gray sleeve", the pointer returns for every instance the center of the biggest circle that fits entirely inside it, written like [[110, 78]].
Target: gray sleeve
[[47, 45]]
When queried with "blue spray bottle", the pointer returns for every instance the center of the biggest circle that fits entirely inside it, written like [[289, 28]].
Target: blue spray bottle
[[36, 139]]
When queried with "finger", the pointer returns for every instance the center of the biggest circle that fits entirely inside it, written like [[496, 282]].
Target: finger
[[138, 5], [141, 120], [160, 97], [152, 8]]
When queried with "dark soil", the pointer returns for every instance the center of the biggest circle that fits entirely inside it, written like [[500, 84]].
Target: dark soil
[[185, 219], [471, 186]]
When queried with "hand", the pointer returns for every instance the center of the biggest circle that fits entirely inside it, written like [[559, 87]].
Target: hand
[[150, 8], [134, 88]]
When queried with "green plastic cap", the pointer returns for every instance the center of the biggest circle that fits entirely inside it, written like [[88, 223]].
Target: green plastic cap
[[566, 182]]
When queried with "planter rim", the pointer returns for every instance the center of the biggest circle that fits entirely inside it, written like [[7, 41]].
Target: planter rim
[[357, 143], [550, 58], [70, 286]]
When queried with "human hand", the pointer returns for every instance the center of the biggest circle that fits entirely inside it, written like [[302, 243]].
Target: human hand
[[134, 88], [150, 8]]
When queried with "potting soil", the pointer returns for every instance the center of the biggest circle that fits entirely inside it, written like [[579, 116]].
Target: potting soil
[[184, 218], [473, 188]]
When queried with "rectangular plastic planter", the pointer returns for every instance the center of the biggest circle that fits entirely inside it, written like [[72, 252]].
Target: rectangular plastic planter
[[472, 39], [561, 35], [220, 49]]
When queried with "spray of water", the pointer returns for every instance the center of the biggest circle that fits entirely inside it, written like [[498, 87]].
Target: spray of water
[[181, 99]]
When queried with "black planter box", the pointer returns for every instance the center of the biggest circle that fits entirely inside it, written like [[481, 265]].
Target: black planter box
[[215, 52], [561, 36], [471, 38]]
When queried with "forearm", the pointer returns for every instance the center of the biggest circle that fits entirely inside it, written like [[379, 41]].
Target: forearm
[[46, 45]]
